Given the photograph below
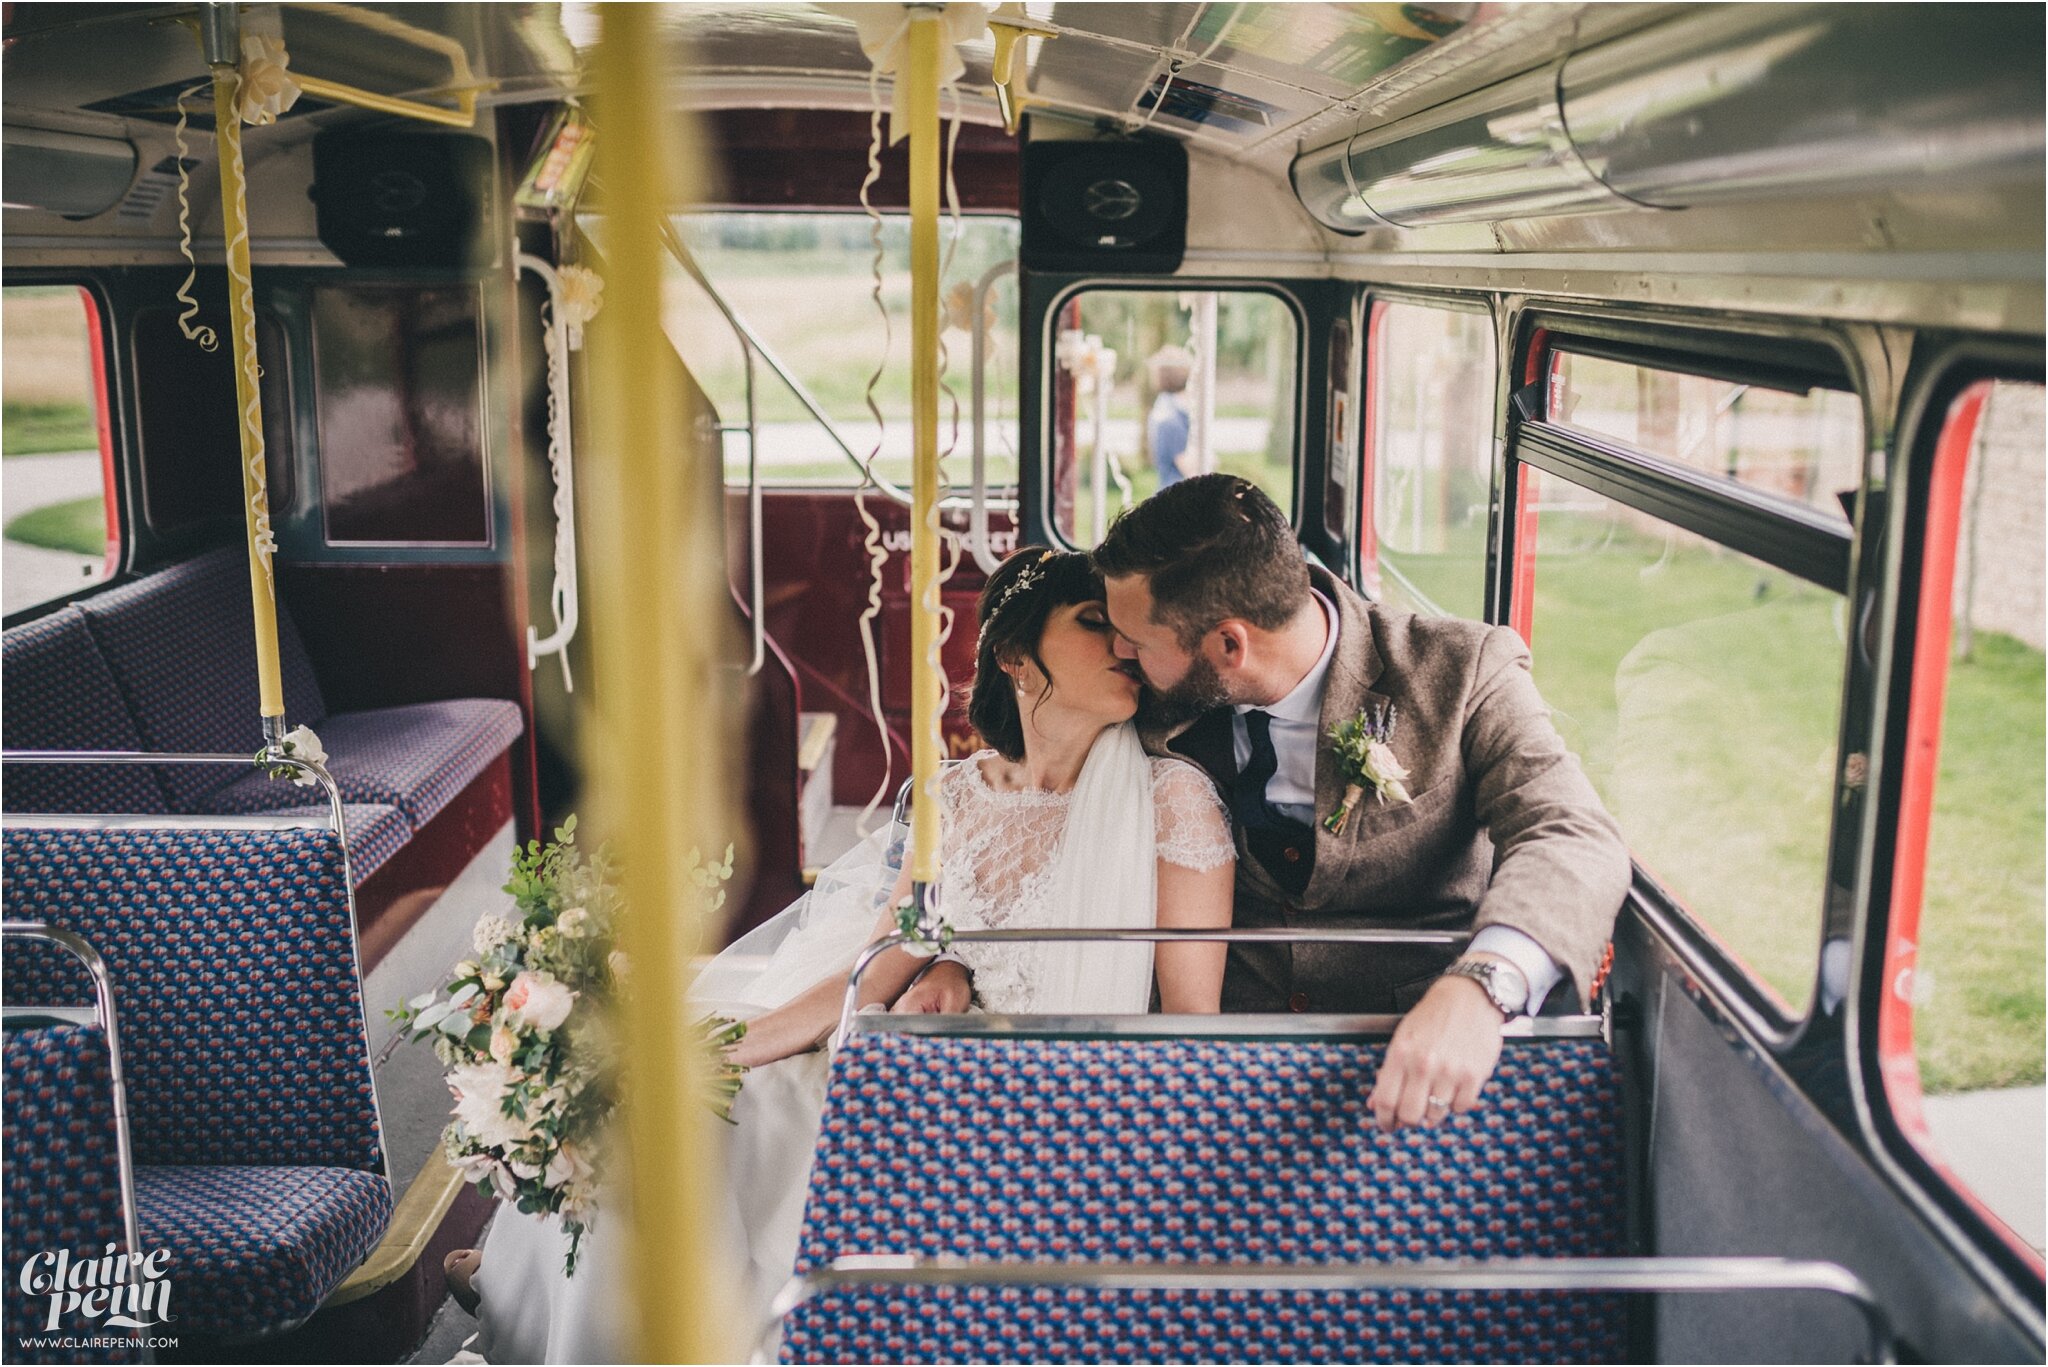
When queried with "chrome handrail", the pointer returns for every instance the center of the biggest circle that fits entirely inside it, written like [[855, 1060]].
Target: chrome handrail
[[1682, 1275], [318, 771], [750, 347], [977, 513], [106, 1018], [1326, 1028], [750, 341], [185, 821], [564, 599], [1357, 935]]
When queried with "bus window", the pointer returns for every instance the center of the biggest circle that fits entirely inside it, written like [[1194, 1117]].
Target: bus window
[[1429, 423], [804, 283], [58, 521], [184, 480], [1137, 403], [1806, 448], [1963, 1012], [1701, 689], [398, 394]]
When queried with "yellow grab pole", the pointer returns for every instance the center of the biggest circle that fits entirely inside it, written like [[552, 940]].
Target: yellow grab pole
[[657, 770], [234, 211], [927, 679]]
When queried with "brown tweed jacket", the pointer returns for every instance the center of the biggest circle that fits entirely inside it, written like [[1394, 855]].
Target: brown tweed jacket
[[1503, 828]]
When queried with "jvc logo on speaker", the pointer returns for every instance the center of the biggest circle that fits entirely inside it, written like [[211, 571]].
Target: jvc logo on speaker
[[111, 1291]]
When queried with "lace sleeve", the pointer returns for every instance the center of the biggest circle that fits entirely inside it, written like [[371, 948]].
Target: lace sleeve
[[1192, 830]]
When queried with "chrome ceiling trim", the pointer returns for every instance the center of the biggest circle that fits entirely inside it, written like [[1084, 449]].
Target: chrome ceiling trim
[[1716, 104]]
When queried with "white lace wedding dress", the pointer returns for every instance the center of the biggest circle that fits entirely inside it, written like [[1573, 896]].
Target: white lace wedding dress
[[1002, 868], [1001, 857]]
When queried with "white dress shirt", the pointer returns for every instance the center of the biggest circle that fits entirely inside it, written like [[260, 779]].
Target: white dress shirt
[[1297, 733]]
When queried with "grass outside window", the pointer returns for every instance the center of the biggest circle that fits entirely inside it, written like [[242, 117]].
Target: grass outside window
[[1701, 689], [77, 525]]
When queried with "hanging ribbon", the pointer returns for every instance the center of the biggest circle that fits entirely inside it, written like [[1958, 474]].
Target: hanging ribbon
[[884, 32], [206, 338]]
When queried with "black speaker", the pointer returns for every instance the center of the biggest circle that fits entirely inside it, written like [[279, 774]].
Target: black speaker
[[403, 199], [1105, 206]]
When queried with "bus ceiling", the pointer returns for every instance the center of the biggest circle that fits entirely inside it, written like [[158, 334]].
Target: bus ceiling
[[1501, 147]]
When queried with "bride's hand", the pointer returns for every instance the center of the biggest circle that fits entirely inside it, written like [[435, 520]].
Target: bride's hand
[[943, 990]]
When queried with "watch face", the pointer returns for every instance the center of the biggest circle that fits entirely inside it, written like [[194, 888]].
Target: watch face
[[1508, 990], [1503, 983]]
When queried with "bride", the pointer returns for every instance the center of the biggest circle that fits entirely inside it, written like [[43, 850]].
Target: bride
[[1063, 821]]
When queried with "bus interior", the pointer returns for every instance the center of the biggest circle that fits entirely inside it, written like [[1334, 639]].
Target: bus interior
[[1700, 344]]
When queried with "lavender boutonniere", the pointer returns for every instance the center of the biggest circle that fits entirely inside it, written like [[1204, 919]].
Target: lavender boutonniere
[[1365, 755]]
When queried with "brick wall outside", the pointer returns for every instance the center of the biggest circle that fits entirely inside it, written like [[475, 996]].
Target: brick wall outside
[[1999, 577]]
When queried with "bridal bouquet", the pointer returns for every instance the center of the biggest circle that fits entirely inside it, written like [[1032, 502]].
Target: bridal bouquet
[[526, 1028]]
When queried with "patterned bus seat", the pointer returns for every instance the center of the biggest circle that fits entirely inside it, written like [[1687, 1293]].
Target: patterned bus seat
[[1203, 1151], [167, 663], [417, 758], [62, 1176], [179, 644], [61, 696], [259, 1160]]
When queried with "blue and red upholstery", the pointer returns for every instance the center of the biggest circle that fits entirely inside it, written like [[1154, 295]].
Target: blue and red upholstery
[[61, 696], [416, 758], [375, 832], [166, 663], [179, 644], [252, 1113], [1203, 1151], [234, 966], [274, 1241], [62, 1174]]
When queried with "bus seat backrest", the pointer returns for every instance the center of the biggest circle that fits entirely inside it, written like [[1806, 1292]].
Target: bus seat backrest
[[61, 696], [63, 1176], [234, 968], [1202, 1150], [180, 645]]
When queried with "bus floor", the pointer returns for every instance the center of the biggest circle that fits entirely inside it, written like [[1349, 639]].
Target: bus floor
[[448, 1337]]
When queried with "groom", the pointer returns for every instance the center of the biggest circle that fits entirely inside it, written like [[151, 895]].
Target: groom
[[1251, 658]]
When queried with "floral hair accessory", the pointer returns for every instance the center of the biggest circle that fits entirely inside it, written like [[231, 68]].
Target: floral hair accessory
[[1031, 574], [1365, 755]]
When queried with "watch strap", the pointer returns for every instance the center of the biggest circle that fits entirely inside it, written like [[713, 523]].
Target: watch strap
[[1487, 973]]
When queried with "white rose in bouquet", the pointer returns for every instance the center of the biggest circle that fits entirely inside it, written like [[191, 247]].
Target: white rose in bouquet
[[539, 1001], [567, 1166], [480, 1090]]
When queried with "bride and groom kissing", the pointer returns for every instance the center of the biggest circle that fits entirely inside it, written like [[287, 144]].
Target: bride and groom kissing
[[1159, 719]]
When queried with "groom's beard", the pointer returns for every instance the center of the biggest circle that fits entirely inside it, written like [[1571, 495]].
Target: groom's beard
[[1200, 690]]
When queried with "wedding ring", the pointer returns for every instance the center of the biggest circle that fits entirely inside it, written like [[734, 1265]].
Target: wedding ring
[[1437, 1103]]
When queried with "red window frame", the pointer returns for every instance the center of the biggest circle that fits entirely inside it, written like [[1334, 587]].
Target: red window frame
[[1368, 555], [1898, 1062], [1522, 577], [103, 423]]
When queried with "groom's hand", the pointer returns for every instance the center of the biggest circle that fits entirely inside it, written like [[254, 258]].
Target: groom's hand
[[1440, 1058], [944, 989]]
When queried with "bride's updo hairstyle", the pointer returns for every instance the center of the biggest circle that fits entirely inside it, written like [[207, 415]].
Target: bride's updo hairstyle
[[1024, 591]]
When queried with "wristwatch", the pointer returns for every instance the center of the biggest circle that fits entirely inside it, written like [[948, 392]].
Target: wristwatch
[[1505, 986]]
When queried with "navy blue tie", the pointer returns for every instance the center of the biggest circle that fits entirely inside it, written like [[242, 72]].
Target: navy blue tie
[[1286, 847], [1248, 792]]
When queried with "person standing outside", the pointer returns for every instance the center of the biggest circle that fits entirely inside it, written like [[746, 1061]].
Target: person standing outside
[[1167, 425]]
